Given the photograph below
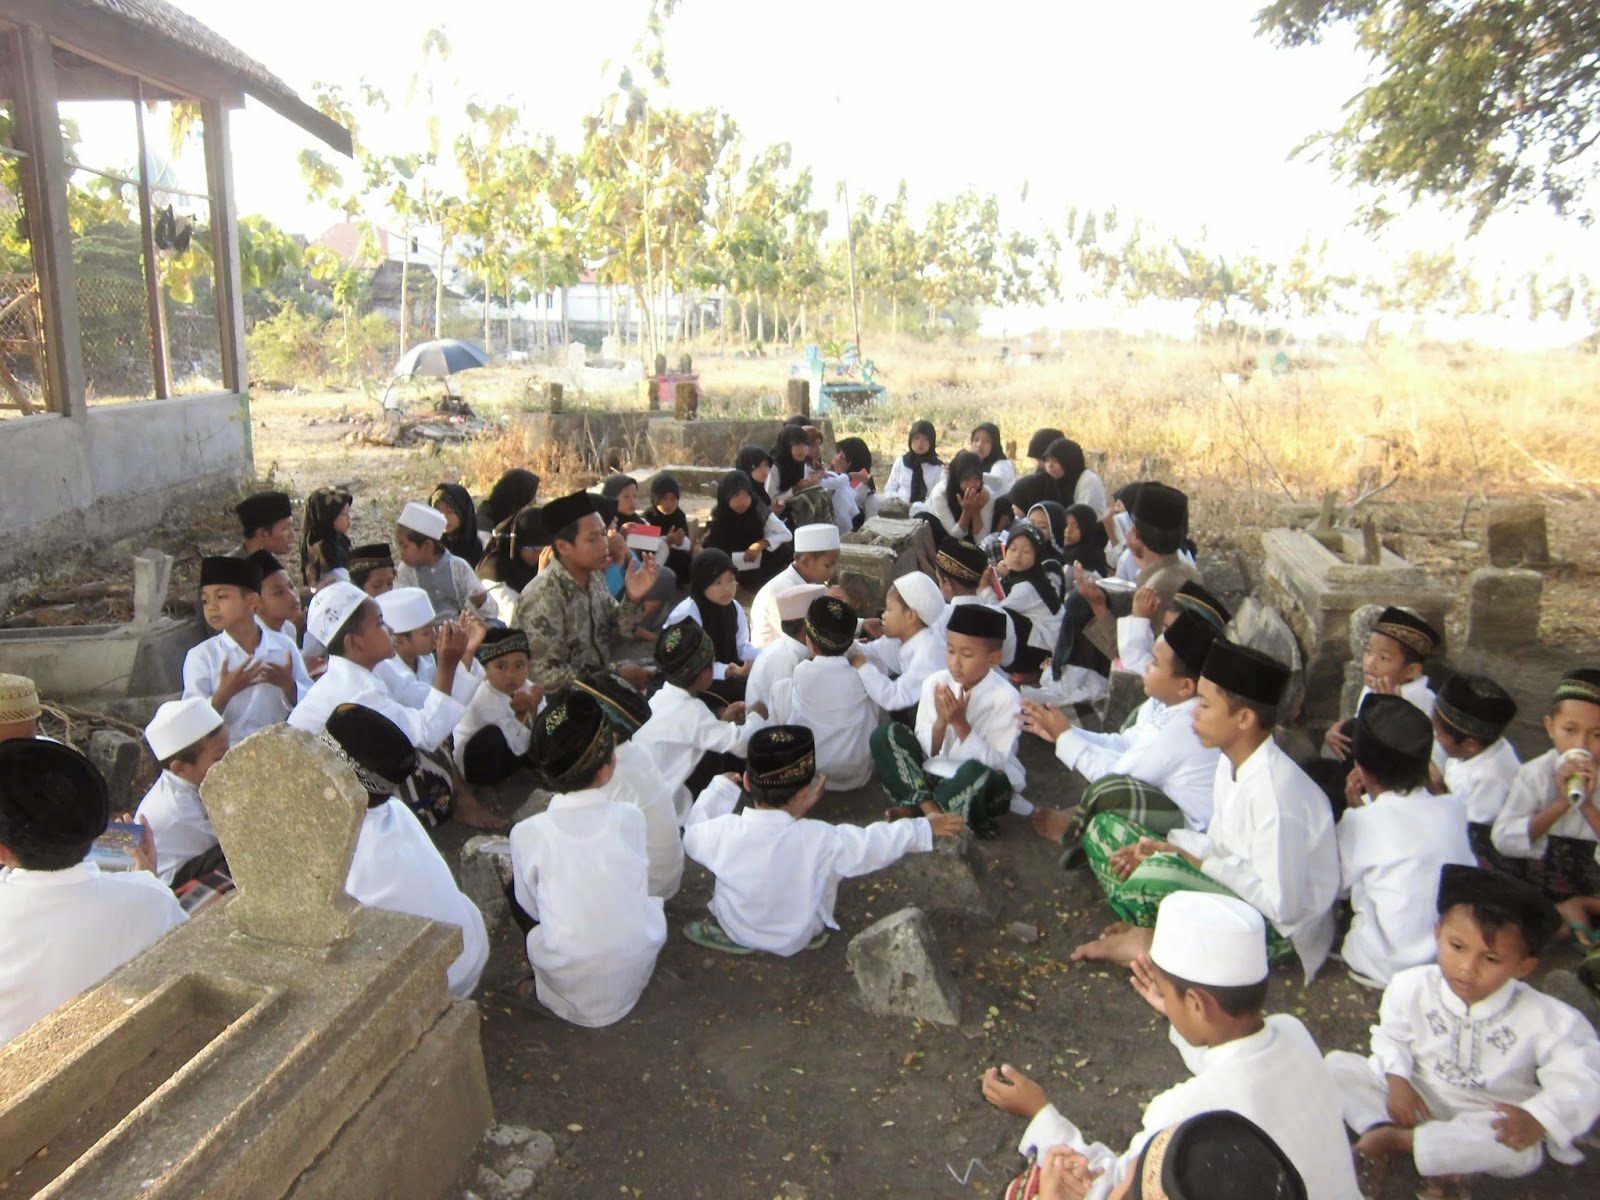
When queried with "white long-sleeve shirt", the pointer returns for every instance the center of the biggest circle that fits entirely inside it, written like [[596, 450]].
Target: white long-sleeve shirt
[[1025, 600], [490, 706], [845, 507], [1517, 1046], [778, 877], [896, 670], [937, 506], [828, 696], [411, 685], [1271, 841], [999, 478], [1161, 749], [1008, 651], [580, 869], [1391, 850], [1532, 789], [397, 867], [1136, 643], [1091, 490], [260, 704], [1483, 782], [61, 932], [638, 782], [899, 485], [688, 610], [681, 729], [775, 661], [1275, 1077], [993, 707], [178, 822], [766, 626], [344, 682]]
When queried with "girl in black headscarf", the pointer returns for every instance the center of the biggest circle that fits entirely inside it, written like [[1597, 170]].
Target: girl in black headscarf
[[945, 506], [512, 557], [666, 513], [756, 463], [1000, 472], [738, 525], [916, 471], [1034, 588], [624, 490], [1085, 540], [713, 582], [789, 458], [854, 458], [1050, 519], [325, 544], [1064, 463], [460, 521], [1039, 444], [512, 493]]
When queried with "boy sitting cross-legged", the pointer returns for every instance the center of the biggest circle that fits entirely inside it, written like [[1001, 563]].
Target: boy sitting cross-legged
[[1472, 1070], [187, 738], [777, 872], [1207, 974], [829, 697], [492, 737], [1470, 716]]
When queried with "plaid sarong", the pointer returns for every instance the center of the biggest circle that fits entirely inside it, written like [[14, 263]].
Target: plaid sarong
[[979, 793], [1136, 898], [1132, 799]]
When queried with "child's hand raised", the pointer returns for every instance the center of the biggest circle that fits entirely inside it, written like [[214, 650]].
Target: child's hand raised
[[246, 675], [527, 701], [475, 629], [806, 798], [1516, 1127], [1147, 983], [947, 824], [1146, 603], [1089, 589], [1009, 1090]]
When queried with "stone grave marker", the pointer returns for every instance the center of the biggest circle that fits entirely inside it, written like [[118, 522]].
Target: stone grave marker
[[898, 972], [1516, 535]]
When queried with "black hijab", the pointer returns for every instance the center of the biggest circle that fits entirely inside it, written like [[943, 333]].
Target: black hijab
[[731, 532], [1092, 538], [858, 456], [322, 547], [751, 459], [512, 493], [1044, 575], [789, 471], [1039, 443], [502, 560], [1056, 515], [720, 621], [997, 452], [613, 488], [915, 462], [1069, 455], [965, 465], [463, 540]]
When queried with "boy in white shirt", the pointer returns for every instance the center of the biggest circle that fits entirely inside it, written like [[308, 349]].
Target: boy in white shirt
[[816, 555], [63, 925], [687, 739], [960, 567], [492, 737], [894, 667], [251, 675], [1155, 772], [966, 734], [187, 738], [1206, 972], [777, 872], [827, 696], [581, 870], [778, 659], [408, 673], [396, 866], [451, 583], [1472, 1070], [1470, 716], [1394, 838], [19, 708]]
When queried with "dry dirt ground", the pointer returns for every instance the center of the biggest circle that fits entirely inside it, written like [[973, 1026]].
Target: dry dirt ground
[[761, 1077]]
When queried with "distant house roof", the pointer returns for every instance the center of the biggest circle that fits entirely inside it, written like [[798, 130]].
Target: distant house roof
[[174, 25]]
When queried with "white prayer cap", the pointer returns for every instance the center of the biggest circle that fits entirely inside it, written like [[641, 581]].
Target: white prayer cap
[[331, 608], [816, 539], [921, 595], [405, 609], [1215, 941], [179, 724], [429, 522], [793, 602]]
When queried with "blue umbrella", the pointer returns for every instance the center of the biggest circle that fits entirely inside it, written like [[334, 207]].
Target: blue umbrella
[[440, 359]]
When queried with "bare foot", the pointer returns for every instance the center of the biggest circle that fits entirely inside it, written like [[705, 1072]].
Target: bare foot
[[1121, 947], [1377, 1145], [471, 812], [1052, 823], [1115, 927]]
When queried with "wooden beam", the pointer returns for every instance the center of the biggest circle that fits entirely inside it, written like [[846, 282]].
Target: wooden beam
[[45, 178], [228, 282], [161, 373]]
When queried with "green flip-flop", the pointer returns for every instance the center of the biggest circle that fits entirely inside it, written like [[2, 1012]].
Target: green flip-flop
[[710, 934]]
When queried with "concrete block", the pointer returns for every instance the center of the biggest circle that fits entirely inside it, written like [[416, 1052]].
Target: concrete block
[[510, 1160], [1262, 627], [1516, 535], [116, 754], [1228, 577], [1503, 608], [898, 972], [954, 877], [485, 873], [96, 661], [866, 572], [1124, 693], [901, 536], [894, 510]]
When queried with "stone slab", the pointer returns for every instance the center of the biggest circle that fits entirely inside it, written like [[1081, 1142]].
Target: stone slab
[[116, 754], [485, 872], [953, 877], [1262, 627], [1516, 534], [1503, 608], [866, 572], [901, 536], [898, 972], [1124, 693]]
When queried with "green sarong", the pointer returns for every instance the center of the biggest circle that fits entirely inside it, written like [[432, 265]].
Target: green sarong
[[1136, 898], [979, 793], [1132, 799]]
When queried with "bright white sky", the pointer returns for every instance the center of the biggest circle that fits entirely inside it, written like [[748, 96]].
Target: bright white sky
[[1171, 109]]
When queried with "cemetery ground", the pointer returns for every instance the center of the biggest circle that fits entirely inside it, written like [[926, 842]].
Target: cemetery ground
[[764, 1077]]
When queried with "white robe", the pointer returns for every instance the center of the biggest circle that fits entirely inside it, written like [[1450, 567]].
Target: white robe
[[775, 661], [766, 626], [717, 799], [688, 610], [1161, 749], [1000, 477], [580, 869], [1044, 625], [1275, 1077], [411, 685], [1517, 1046], [1484, 781], [1271, 841], [937, 506], [896, 670], [1008, 651], [681, 729], [778, 877], [178, 822], [993, 712], [491, 706], [1532, 789], [397, 867], [61, 932], [899, 485], [1391, 850], [845, 507], [259, 705], [826, 695], [1136, 643], [346, 683], [638, 782]]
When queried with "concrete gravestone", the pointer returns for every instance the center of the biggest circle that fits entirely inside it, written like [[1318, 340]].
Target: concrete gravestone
[[898, 972], [1503, 608], [1516, 534]]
